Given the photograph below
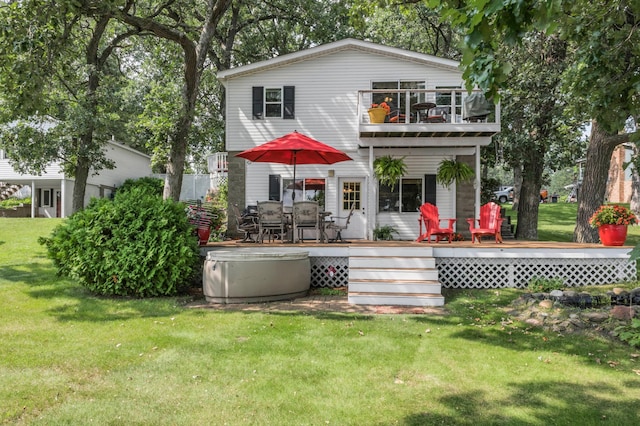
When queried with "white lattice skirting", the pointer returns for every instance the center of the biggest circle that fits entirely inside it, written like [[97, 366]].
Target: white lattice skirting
[[498, 273], [514, 267], [489, 268]]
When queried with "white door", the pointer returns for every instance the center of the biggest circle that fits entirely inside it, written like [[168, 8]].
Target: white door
[[352, 191]]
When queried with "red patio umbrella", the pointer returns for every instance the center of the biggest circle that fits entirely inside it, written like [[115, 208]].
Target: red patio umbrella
[[294, 148]]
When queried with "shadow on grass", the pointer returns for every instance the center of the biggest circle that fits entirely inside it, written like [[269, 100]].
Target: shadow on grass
[[72, 302], [546, 402]]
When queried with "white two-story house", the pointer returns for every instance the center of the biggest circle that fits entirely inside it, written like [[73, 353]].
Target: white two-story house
[[326, 92], [52, 191]]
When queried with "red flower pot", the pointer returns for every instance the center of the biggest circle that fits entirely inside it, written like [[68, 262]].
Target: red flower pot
[[203, 235], [613, 235]]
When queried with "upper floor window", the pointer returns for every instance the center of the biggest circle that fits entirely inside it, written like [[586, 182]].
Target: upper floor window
[[273, 102], [400, 91]]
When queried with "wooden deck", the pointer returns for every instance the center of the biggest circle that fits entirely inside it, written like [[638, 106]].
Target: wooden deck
[[404, 272], [489, 243]]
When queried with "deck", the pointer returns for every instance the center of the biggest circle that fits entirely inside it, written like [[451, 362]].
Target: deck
[[465, 265]]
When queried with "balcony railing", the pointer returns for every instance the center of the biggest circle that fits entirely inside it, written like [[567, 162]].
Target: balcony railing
[[416, 112]]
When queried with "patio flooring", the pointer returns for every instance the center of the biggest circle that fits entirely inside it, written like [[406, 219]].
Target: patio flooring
[[317, 304]]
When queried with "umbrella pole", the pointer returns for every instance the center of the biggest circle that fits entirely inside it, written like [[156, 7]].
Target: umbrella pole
[[293, 201]]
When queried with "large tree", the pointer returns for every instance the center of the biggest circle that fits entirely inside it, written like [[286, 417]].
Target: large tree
[[190, 27], [602, 80], [59, 84], [534, 122]]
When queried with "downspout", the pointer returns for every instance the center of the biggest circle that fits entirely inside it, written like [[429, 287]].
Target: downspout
[[477, 183]]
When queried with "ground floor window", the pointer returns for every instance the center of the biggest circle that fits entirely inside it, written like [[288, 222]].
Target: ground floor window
[[351, 195], [407, 195], [305, 189]]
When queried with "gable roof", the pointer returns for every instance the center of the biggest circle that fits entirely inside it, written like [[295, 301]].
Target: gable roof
[[326, 49]]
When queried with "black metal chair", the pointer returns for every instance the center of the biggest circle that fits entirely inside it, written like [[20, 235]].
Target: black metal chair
[[246, 224], [339, 224]]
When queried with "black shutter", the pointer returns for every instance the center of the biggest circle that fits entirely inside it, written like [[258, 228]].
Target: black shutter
[[289, 102], [258, 102], [274, 187], [430, 189]]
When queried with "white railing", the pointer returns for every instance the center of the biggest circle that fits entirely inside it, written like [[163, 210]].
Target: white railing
[[217, 163], [435, 106]]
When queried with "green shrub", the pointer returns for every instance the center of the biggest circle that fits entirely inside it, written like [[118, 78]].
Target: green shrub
[[150, 185], [384, 232], [545, 285], [14, 202], [135, 245], [630, 333]]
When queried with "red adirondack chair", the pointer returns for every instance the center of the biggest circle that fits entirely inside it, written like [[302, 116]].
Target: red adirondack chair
[[489, 223], [429, 216]]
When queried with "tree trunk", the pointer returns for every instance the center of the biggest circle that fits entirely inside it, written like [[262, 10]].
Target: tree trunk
[[517, 185], [80, 185], [594, 183], [529, 200]]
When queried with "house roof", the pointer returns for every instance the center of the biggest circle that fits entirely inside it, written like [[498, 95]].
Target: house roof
[[326, 49]]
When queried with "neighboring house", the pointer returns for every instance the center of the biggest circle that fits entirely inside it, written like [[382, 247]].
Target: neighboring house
[[325, 92], [620, 177], [52, 191]]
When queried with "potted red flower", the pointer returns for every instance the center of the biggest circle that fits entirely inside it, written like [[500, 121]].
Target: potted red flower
[[612, 221]]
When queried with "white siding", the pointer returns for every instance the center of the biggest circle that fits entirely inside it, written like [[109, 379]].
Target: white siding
[[325, 97], [326, 108], [130, 164]]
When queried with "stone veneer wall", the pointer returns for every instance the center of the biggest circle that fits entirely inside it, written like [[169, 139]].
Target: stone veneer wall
[[236, 184], [465, 198]]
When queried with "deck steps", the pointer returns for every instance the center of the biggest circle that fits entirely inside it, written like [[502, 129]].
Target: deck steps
[[405, 276]]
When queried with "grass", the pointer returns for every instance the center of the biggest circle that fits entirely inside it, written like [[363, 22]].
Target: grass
[[556, 222], [72, 358]]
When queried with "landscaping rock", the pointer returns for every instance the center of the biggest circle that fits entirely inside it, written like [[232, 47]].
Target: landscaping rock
[[546, 304], [534, 322], [556, 293], [617, 291], [623, 312], [595, 316]]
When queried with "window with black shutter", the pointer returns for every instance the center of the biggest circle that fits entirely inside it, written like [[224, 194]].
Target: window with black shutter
[[273, 102]]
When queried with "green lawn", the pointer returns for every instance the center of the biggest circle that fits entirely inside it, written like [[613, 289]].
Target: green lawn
[[556, 222], [71, 358]]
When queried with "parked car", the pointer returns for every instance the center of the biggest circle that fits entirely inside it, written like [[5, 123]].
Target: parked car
[[505, 194]]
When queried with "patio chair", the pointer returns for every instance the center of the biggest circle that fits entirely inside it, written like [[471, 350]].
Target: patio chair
[[271, 220], [306, 216], [246, 224], [339, 224], [489, 223], [431, 219]]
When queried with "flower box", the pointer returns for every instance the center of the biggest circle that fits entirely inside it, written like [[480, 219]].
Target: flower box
[[377, 115]]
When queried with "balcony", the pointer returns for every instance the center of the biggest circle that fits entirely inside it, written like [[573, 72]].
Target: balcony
[[439, 113]]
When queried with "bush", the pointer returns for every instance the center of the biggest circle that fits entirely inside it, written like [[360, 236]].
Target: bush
[[630, 333], [149, 185], [545, 285], [135, 245]]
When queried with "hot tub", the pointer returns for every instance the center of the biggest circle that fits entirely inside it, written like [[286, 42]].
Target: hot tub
[[239, 276]]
